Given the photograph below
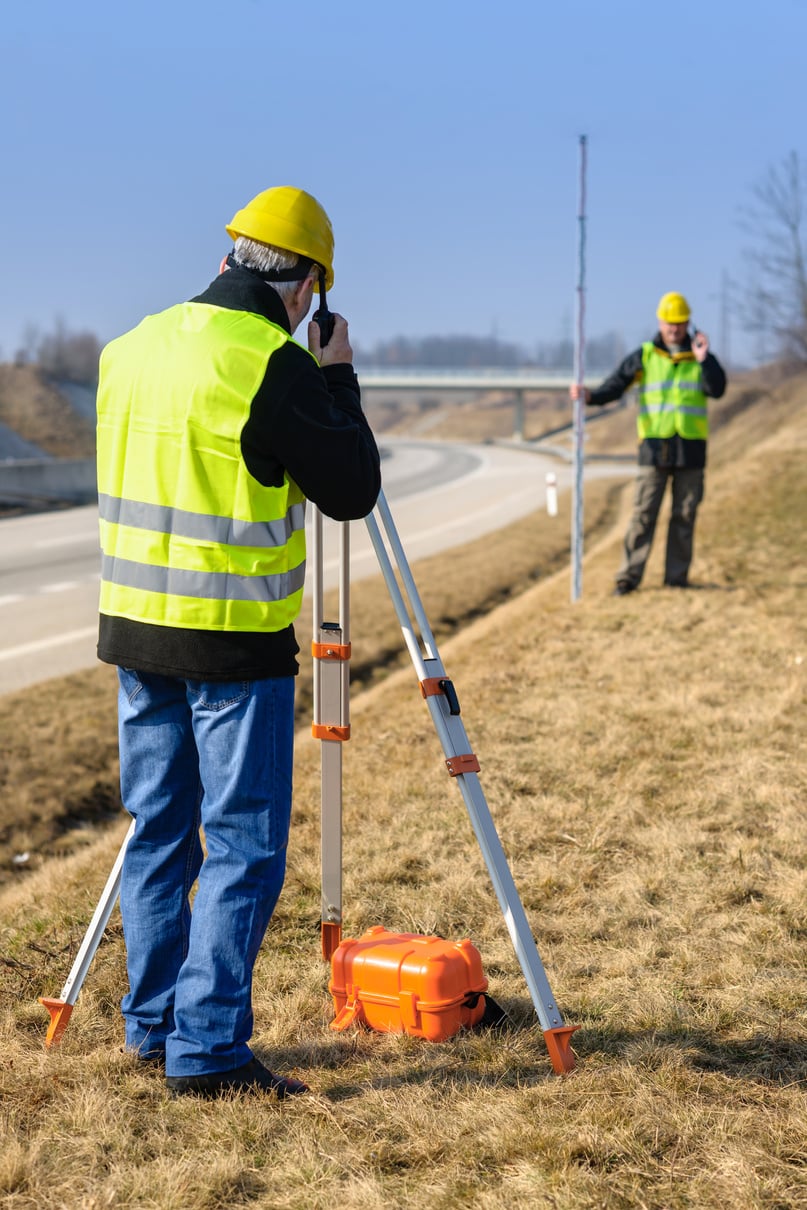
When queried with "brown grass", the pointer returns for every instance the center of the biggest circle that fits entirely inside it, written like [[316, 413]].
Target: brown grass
[[35, 410], [42, 816], [644, 762]]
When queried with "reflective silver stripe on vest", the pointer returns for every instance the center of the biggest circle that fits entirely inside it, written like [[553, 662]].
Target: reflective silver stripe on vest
[[652, 409], [658, 409], [226, 531], [208, 585], [669, 386]]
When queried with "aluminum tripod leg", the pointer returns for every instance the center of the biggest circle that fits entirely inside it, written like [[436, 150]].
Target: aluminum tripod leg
[[331, 651], [444, 707], [61, 1009]]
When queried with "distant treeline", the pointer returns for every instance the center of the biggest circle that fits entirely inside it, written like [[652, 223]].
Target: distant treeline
[[468, 352], [73, 356], [62, 355]]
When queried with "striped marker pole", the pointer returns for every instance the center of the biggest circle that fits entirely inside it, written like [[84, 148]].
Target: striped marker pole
[[579, 373]]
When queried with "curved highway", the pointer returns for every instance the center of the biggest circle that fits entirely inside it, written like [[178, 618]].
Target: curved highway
[[440, 496]]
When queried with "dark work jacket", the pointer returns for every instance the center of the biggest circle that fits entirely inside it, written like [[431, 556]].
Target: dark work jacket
[[304, 419], [677, 452]]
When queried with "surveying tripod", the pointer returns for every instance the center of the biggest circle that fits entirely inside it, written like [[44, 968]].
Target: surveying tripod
[[331, 655]]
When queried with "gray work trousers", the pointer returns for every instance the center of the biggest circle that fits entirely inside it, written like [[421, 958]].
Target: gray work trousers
[[687, 493]]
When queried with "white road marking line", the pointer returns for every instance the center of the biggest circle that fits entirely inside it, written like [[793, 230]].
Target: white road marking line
[[44, 543], [55, 640], [13, 598], [60, 586]]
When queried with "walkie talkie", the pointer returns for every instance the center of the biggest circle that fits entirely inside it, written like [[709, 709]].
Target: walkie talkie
[[322, 315]]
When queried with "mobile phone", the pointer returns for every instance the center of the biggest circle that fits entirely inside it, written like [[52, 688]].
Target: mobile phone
[[323, 316]]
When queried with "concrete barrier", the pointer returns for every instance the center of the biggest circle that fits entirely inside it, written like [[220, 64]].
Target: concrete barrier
[[32, 480]]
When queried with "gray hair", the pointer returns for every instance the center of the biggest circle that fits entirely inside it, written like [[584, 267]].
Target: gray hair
[[264, 258]]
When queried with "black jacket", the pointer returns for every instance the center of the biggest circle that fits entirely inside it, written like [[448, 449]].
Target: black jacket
[[303, 419], [676, 451]]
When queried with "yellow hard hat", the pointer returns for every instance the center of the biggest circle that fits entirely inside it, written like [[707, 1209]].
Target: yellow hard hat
[[291, 219], [673, 309]]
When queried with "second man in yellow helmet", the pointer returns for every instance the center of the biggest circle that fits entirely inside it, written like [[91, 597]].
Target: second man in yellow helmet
[[676, 374]]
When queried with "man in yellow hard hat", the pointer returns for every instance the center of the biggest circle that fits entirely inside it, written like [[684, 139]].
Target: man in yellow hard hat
[[214, 427], [675, 373]]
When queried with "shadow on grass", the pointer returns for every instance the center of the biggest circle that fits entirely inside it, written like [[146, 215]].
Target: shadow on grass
[[453, 1064], [692, 586], [760, 1058], [466, 1060]]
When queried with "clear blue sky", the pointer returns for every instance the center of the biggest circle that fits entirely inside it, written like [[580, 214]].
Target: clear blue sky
[[441, 136]]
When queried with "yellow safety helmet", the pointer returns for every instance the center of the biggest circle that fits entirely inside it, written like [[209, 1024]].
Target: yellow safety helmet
[[673, 309], [291, 219]]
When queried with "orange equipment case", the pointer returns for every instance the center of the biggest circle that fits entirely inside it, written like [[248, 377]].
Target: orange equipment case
[[407, 983]]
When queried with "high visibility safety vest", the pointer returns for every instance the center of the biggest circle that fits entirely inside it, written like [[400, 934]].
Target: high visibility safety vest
[[189, 538], [671, 397]]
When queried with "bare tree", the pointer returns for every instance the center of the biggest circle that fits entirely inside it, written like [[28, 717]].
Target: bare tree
[[70, 356], [777, 298], [26, 353]]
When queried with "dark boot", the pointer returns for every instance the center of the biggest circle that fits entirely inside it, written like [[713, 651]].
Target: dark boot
[[252, 1077]]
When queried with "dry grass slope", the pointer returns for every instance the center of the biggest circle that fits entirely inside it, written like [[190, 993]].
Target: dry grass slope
[[33, 408], [42, 816], [644, 761]]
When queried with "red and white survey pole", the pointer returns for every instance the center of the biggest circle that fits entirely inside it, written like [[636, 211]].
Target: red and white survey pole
[[579, 373]]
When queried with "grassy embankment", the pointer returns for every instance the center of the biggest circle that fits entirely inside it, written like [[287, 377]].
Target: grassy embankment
[[644, 761]]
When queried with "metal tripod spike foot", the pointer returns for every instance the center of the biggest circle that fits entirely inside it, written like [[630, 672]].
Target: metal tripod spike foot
[[462, 764], [60, 1010]]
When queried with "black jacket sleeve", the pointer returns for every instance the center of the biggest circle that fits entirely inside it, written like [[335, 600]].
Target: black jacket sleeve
[[308, 421], [616, 384], [713, 377]]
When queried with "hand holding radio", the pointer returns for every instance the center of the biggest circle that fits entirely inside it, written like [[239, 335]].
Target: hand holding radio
[[338, 349], [323, 318], [327, 333]]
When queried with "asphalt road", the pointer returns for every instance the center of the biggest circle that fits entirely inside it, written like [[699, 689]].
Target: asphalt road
[[440, 496]]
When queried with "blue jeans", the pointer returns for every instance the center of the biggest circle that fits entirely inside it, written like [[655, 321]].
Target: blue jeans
[[217, 755]]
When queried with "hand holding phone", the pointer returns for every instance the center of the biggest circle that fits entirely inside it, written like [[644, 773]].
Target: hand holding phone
[[700, 344]]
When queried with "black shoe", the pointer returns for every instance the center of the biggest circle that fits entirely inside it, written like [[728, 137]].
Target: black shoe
[[252, 1077], [676, 583], [623, 588]]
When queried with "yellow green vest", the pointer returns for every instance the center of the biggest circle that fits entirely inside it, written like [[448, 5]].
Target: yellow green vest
[[671, 397], [189, 538]]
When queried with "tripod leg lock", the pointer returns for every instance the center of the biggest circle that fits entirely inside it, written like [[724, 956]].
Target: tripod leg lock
[[330, 651], [332, 731], [430, 686], [467, 763]]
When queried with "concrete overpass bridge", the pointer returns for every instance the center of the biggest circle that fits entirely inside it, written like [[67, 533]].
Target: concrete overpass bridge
[[387, 384]]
